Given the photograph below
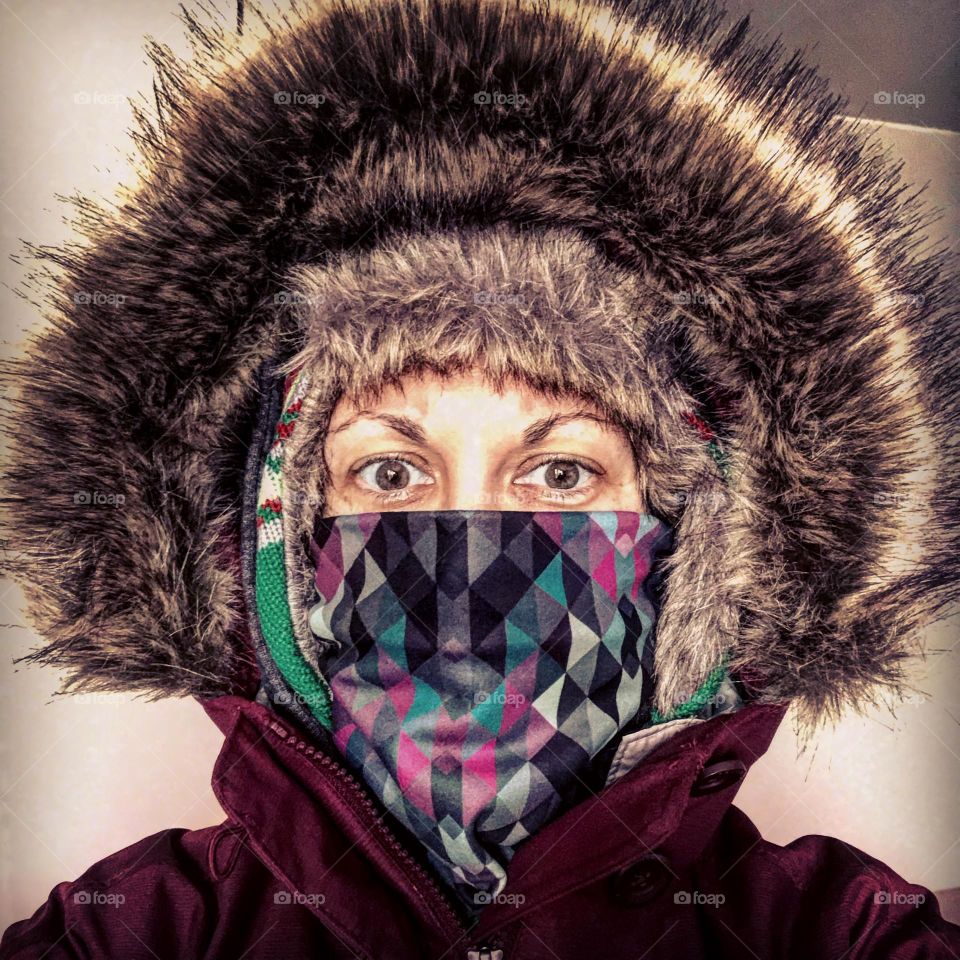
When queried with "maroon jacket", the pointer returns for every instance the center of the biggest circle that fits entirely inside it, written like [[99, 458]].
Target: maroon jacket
[[657, 865]]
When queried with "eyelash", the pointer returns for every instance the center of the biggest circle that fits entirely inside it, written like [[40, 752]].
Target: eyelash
[[392, 495]]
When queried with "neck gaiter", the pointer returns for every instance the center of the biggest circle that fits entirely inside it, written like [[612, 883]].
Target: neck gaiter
[[478, 661]]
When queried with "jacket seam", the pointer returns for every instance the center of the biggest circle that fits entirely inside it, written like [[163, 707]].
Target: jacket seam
[[124, 873]]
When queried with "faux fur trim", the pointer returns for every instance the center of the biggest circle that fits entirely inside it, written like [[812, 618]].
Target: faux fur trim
[[749, 252], [543, 308]]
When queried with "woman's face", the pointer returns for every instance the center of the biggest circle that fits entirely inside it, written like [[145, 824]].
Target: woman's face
[[454, 443]]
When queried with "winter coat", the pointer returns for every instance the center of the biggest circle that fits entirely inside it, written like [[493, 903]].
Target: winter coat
[[659, 864], [713, 256]]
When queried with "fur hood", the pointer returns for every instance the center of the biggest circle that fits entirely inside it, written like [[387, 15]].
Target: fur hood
[[636, 203]]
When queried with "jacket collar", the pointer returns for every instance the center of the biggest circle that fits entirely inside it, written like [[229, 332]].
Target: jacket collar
[[325, 839]]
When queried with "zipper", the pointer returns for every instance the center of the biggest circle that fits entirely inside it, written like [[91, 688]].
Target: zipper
[[325, 761]]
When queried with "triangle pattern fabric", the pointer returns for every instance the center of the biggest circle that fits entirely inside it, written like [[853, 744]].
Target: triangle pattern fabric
[[483, 659]]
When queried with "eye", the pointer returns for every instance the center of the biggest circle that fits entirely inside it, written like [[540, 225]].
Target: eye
[[391, 474], [559, 474]]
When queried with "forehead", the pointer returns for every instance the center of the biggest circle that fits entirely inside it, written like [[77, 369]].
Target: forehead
[[468, 396]]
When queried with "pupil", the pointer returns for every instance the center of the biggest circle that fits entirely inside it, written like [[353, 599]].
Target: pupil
[[392, 475], [562, 475]]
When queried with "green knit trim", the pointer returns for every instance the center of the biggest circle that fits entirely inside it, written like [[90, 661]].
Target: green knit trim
[[718, 674], [277, 627], [273, 606], [718, 454], [721, 458], [698, 701]]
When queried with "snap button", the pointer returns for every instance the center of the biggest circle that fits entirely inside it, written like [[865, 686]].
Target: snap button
[[718, 776], [641, 881]]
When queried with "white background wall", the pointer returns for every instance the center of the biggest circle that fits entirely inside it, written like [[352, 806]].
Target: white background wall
[[82, 777]]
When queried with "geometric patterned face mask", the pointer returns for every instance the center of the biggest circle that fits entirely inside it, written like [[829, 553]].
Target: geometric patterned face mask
[[478, 660]]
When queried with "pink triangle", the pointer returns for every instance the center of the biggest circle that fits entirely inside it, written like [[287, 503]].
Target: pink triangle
[[410, 762], [328, 565], [551, 522], [367, 522], [628, 525], [401, 694], [539, 732], [342, 736], [518, 688], [389, 671], [479, 779], [605, 574], [366, 716], [418, 792]]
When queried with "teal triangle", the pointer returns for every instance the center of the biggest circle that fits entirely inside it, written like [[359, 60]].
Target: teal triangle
[[425, 700], [519, 646], [573, 522], [551, 580], [489, 712], [392, 641], [606, 520]]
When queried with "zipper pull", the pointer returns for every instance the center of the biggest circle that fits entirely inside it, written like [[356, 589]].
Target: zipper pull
[[483, 952]]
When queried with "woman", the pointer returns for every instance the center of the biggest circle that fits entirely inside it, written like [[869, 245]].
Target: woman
[[516, 409]]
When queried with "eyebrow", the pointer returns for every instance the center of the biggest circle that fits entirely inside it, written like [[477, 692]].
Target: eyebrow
[[402, 425], [538, 431]]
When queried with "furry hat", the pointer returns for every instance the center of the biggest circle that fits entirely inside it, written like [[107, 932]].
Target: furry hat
[[630, 202]]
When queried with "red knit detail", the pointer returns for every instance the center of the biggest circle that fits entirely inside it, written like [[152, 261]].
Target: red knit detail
[[702, 428], [288, 382]]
